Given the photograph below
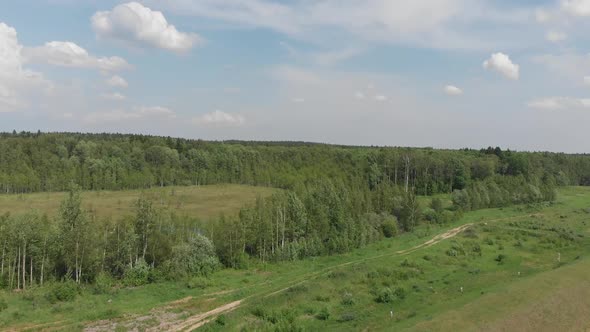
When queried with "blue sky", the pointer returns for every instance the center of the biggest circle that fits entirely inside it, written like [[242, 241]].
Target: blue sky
[[440, 73]]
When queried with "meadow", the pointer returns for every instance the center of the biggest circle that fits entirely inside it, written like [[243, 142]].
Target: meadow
[[515, 268], [202, 202]]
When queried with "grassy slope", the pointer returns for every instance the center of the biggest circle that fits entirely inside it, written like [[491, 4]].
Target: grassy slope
[[295, 292], [204, 202]]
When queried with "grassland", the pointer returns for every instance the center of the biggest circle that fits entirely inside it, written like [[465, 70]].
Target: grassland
[[203, 202], [495, 269]]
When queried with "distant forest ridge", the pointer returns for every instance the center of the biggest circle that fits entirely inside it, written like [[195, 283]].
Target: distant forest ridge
[[32, 162]]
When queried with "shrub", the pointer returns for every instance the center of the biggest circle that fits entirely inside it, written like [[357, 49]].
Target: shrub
[[389, 226], [501, 258], [347, 299], [347, 317], [388, 295], [323, 314], [385, 295], [137, 275], [195, 258], [63, 292], [103, 283], [221, 320]]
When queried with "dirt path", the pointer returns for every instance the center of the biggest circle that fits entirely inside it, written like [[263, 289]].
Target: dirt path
[[198, 320]]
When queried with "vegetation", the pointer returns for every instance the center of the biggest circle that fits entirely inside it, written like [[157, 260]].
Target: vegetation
[[330, 201]]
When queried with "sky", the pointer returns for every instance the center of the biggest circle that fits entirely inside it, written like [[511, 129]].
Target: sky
[[427, 73]]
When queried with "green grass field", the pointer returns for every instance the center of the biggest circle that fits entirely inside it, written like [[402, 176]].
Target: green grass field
[[495, 269], [203, 202]]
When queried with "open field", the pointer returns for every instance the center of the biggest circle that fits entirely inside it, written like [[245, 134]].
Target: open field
[[203, 202], [495, 269]]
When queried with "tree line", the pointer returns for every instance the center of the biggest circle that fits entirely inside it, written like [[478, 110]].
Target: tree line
[[32, 162]]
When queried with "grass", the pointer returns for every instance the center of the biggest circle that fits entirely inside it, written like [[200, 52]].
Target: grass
[[203, 202], [522, 290]]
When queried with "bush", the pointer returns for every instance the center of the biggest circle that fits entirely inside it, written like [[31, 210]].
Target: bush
[[63, 292], [501, 258], [389, 226], [347, 299], [195, 258], [323, 314], [388, 295], [103, 283], [221, 320], [347, 317], [385, 295], [137, 275]]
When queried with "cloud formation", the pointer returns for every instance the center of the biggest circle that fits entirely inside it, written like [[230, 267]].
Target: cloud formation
[[557, 103], [133, 23], [115, 96], [117, 82], [17, 84], [220, 119], [452, 90], [576, 7], [502, 64], [68, 54]]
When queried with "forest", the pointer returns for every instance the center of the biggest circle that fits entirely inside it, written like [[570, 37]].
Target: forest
[[332, 199]]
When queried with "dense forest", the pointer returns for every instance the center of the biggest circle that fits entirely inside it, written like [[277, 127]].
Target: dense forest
[[335, 199]]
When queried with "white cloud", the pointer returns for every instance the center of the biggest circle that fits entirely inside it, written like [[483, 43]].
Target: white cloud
[[68, 54], [298, 100], [556, 103], [576, 7], [137, 113], [132, 22], [18, 85], [430, 23], [117, 82], [542, 15], [359, 95], [555, 36], [380, 98], [220, 119], [452, 90], [330, 58], [501, 63], [115, 96], [587, 80]]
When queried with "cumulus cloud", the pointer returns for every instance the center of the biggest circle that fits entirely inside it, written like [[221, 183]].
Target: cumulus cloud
[[17, 84], [452, 90], [380, 98], [115, 96], [576, 7], [220, 119], [298, 100], [502, 64], [68, 54], [137, 113], [359, 95], [555, 36], [117, 82], [587, 80], [556, 103], [132, 22]]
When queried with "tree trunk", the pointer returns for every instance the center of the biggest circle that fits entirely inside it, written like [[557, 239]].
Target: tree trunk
[[18, 270], [25, 265]]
